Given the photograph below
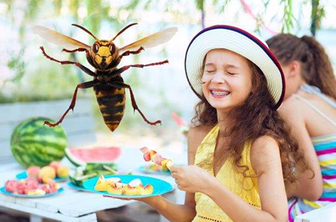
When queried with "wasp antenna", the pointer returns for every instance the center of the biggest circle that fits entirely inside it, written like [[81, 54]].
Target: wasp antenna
[[121, 31], [87, 31]]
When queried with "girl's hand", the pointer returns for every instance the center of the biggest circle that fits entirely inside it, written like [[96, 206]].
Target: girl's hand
[[191, 178]]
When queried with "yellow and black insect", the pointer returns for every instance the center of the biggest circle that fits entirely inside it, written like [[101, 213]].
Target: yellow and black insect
[[105, 56]]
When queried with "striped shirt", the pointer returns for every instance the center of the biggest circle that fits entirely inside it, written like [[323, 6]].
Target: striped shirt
[[325, 148]]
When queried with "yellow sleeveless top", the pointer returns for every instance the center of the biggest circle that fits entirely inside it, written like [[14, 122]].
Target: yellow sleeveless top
[[245, 187]]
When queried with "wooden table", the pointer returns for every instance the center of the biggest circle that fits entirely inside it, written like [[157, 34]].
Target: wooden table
[[71, 205]]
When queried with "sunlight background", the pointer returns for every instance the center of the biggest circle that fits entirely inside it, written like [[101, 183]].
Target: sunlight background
[[25, 75]]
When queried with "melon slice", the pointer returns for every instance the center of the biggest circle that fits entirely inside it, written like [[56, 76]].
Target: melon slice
[[81, 156]]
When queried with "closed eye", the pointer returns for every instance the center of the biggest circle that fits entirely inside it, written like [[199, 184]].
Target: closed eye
[[231, 73]]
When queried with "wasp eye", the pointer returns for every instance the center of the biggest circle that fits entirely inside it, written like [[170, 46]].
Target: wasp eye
[[112, 49], [95, 48]]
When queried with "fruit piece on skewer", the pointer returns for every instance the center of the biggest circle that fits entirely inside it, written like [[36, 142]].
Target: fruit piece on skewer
[[152, 155]]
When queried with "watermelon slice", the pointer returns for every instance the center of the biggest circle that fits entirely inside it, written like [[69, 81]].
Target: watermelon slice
[[81, 156]]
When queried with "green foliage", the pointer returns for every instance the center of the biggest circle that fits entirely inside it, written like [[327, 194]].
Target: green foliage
[[17, 65], [288, 16], [200, 4], [317, 14], [46, 82], [221, 5]]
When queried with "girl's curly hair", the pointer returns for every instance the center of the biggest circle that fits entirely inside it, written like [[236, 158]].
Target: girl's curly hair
[[253, 119]]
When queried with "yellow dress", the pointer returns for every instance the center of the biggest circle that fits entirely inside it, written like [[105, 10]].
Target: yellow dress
[[245, 187]]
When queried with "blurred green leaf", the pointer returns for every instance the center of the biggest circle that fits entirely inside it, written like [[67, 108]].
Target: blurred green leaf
[[16, 64]]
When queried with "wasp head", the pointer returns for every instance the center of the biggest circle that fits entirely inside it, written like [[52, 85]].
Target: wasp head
[[103, 53]]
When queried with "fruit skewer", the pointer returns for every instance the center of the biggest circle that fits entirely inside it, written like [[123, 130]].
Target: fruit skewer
[[152, 155]]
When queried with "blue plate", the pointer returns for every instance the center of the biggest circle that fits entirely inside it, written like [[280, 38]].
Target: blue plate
[[144, 169], [73, 186], [24, 175], [160, 186], [2, 190]]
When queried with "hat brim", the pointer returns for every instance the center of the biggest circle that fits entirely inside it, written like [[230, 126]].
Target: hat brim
[[240, 42]]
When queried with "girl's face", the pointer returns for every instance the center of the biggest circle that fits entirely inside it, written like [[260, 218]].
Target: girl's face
[[227, 79]]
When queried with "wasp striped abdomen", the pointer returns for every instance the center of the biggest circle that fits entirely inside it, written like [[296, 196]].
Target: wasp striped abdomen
[[111, 104]]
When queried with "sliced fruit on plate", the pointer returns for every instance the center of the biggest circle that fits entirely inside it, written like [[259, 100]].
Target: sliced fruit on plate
[[31, 186], [81, 156], [128, 190], [115, 186], [114, 190], [101, 184], [36, 192], [148, 189]]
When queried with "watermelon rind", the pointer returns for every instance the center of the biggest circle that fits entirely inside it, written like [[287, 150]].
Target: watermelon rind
[[35, 144], [82, 173], [77, 162], [77, 178], [74, 160]]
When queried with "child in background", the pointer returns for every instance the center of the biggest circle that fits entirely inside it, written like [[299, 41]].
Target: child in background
[[310, 108]]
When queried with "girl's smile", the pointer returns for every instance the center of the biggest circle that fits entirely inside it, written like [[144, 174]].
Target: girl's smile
[[219, 93]]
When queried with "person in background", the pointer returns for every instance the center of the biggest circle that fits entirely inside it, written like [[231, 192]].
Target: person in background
[[242, 157], [310, 109]]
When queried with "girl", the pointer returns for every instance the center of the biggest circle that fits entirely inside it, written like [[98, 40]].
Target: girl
[[241, 155], [310, 107]]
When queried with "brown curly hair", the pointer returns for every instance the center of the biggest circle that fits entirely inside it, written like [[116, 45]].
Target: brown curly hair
[[316, 66], [253, 119]]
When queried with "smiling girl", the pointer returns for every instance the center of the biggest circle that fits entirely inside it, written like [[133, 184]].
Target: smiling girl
[[242, 159]]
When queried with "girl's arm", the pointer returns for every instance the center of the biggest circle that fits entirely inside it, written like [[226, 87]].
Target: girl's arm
[[266, 162], [309, 187], [171, 211], [186, 212]]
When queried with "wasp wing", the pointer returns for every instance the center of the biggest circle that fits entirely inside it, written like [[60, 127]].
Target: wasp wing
[[58, 38], [151, 40]]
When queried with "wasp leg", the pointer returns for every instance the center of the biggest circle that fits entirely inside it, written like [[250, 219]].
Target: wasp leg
[[131, 52], [83, 85], [86, 70], [134, 105], [124, 68], [75, 50]]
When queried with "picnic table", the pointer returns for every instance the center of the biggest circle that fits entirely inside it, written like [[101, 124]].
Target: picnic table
[[73, 205]]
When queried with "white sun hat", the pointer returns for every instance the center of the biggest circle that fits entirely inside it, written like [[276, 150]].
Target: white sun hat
[[241, 42]]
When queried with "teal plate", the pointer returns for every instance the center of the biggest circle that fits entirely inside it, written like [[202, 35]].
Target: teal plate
[[143, 169], [2, 190], [24, 175], [73, 186], [160, 186]]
